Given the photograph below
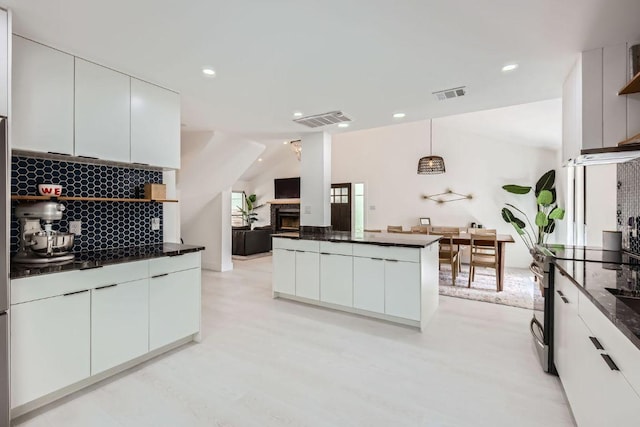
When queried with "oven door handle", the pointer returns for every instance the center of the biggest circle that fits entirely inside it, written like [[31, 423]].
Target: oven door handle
[[535, 322]]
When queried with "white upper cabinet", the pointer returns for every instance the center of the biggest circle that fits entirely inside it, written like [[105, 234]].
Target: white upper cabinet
[[4, 63], [102, 112], [155, 125], [42, 98], [594, 116]]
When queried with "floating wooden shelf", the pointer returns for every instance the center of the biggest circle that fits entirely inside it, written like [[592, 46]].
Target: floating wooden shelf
[[632, 87], [90, 199]]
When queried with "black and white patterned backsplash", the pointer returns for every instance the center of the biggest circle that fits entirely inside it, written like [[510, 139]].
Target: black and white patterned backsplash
[[104, 224], [628, 199]]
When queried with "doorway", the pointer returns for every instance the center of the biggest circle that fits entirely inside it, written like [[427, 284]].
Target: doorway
[[341, 207]]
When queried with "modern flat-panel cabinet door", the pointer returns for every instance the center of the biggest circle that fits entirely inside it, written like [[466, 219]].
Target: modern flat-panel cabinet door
[[336, 279], [402, 289], [102, 112], [174, 307], [155, 125], [308, 275], [284, 271], [119, 324], [368, 284], [50, 345], [42, 98]]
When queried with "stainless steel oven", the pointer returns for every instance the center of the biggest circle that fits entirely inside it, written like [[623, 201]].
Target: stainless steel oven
[[541, 324]]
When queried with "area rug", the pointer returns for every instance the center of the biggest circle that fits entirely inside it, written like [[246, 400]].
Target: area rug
[[518, 290]]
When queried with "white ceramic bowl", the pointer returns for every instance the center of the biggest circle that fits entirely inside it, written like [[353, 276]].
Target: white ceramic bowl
[[53, 190]]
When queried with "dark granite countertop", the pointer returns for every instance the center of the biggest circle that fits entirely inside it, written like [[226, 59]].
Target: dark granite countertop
[[92, 259], [593, 279], [381, 239]]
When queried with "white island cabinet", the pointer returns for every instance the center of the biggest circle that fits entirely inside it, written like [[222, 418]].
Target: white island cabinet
[[397, 282]]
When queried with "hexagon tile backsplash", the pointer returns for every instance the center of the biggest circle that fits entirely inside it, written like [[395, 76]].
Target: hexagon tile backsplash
[[104, 224]]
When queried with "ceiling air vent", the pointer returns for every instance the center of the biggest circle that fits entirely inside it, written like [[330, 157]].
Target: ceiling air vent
[[450, 93], [323, 119]]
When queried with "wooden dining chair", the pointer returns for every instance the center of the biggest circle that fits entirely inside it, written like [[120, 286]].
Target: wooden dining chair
[[448, 254], [394, 229], [421, 229], [454, 231], [484, 252]]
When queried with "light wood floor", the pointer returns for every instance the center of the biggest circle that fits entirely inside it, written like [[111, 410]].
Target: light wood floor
[[265, 362]]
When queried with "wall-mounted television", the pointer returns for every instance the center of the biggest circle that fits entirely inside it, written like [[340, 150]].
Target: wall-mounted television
[[287, 188]]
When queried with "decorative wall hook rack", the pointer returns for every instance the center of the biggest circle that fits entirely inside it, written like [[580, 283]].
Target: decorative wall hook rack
[[447, 196]]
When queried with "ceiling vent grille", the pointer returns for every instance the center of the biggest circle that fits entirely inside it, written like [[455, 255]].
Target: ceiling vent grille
[[450, 93], [323, 119]]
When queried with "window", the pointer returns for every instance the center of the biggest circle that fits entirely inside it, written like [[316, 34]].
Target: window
[[237, 203]]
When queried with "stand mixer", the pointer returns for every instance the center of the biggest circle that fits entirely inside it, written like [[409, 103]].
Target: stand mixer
[[38, 245]]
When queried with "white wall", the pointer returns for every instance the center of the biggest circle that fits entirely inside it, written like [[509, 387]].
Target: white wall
[[600, 202], [211, 164], [385, 159]]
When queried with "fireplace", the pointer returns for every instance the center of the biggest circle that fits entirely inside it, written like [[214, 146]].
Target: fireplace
[[285, 217]]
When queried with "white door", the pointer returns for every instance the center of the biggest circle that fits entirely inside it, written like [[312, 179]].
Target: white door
[[174, 307], [42, 98], [402, 289], [284, 271], [119, 324], [336, 279], [308, 275], [155, 125], [368, 284], [102, 112], [50, 345]]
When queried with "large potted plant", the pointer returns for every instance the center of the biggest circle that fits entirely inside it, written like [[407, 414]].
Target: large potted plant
[[248, 214], [548, 211]]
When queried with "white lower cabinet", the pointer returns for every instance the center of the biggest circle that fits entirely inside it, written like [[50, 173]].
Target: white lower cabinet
[[336, 279], [174, 306], [598, 393], [119, 324], [368, 284], [50, 345], [307, 269], [402, 289], [284, 271]]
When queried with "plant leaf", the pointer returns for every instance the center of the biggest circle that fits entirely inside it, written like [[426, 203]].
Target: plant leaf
[[556, 213], [516, 189], [519, 230], [546, 181], [509, 217], [545, 198], [541, 219]]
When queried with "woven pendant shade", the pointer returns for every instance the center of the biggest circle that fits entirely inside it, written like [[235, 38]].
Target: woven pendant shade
[[431, 165]]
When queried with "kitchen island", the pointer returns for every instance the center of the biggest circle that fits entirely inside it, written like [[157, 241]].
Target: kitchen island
[[387, 276], [78, 323]]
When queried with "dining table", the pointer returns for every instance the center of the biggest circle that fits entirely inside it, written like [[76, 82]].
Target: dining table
[[464, 239]]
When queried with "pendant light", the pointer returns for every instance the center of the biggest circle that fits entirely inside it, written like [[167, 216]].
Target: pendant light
[[431, 165]]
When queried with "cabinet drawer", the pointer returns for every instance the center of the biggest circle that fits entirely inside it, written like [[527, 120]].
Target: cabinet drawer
[[623, 352], [49, 285], [387, 252], [174, 263], [336, 248], [297, 244], [567, 288]]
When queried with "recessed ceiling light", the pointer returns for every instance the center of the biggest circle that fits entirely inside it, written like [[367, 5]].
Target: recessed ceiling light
[[343, 125], [208, 71], [297, 114], [285, 142], [509, 67], [260, 159], [399, 115]]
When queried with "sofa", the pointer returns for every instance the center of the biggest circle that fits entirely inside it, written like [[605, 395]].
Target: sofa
[[245, 241]]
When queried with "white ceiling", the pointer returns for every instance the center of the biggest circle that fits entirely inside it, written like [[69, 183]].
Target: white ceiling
[[369, 58]]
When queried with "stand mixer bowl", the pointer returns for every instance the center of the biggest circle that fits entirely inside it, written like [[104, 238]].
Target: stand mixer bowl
[[50, 244]]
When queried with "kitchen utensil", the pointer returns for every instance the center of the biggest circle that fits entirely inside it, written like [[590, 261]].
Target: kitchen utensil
[[50, 189]]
